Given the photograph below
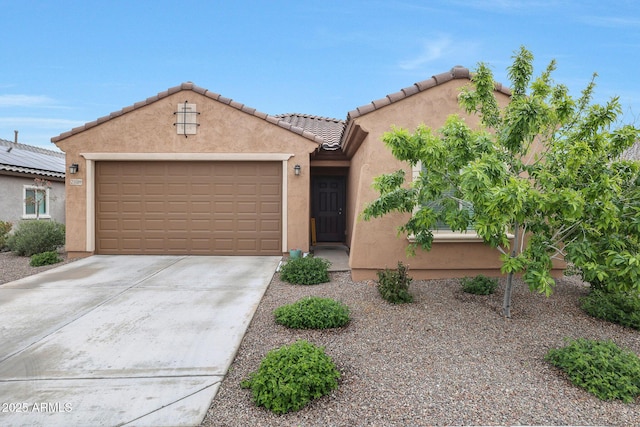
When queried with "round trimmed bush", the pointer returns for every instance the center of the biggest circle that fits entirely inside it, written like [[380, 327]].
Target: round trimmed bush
[[45, 258], [479, 285], [291, 376], [305, 271], [36, 236], [617, 307], [600, 367], [313, 313]]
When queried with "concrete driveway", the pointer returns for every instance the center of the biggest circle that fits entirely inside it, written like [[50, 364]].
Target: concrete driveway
[[124, 340]]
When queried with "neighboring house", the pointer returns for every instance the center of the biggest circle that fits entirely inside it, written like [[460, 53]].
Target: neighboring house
[[20, 166], [189, 171]]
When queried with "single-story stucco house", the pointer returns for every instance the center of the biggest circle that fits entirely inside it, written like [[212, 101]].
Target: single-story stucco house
[[189, 171], [21, 196]]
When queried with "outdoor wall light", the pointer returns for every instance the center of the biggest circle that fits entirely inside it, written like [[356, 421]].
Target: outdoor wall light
[[296, 169], [73, 169]]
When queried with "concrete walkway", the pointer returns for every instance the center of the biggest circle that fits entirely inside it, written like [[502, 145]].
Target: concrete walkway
[[124, 340], [336, 254]]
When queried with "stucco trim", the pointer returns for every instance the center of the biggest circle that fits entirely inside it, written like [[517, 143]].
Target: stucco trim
[[261, 157], [91, 158], [90, 209]]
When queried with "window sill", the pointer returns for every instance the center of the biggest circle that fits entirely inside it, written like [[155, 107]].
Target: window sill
[[443, 236], [35, 217]]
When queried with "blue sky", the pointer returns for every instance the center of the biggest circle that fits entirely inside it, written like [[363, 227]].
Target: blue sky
[[66, 63]]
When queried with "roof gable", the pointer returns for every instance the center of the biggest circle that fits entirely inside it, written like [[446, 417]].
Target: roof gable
[[457, 72], [278, 121], [27, 159]]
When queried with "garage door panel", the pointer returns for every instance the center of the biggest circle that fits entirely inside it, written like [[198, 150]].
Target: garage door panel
[[129, 206], [217, 208], [246, 208], [133, 188], [203, 207], [270, 244], [270, 207]]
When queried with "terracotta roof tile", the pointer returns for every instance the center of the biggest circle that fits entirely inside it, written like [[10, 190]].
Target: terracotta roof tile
[[457, 72], [194, 88], [444, 77], [326, 131], [322, 130]]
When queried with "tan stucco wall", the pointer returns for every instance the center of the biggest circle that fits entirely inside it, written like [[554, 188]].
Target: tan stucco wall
[[375, 244], [223, 129]]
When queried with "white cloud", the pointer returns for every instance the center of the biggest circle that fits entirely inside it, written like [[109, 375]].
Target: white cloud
[[441, 51], [431, 51], [611, 21], [41, 123], [25, 101], [509, 5]]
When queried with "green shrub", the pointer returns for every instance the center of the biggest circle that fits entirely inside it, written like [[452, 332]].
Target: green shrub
[[45, 258], [36, 236], [291, 376], [479, 285], [617, 307], [600, 367], [313, 313], [393, 285], [305, 271], [5, 228]]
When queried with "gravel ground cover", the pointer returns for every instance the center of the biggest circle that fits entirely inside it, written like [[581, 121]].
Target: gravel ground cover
[[448, 358], [13, 267]]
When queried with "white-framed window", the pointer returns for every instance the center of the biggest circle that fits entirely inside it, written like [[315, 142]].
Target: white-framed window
[[35, 202], [442, 232]]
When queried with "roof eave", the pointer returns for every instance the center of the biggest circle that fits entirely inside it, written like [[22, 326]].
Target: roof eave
[[197, 89]]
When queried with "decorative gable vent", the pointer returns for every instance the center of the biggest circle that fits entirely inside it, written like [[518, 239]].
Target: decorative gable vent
[[186, 119]]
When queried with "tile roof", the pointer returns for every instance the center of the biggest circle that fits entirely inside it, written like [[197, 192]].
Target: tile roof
[[27, 159], [324, 131], [328, 129], [190, 86], [457, 72]]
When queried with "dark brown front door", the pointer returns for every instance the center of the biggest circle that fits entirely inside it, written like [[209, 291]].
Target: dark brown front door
[[328, 208]]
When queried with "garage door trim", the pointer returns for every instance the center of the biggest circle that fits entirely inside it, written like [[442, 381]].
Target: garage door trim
[[91, 158]]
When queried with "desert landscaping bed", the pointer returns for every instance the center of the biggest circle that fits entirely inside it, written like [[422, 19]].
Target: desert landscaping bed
[[14, 267], [448, 358]]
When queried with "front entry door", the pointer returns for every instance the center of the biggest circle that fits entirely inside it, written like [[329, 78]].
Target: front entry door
[[328, 208]]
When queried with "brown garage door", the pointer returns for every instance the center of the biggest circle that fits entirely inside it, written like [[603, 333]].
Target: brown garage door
[[195, 208]]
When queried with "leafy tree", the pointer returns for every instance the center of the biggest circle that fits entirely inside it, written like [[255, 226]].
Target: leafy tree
[[541, 179]]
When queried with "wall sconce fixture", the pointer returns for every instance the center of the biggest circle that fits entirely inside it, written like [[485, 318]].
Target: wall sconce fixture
[[74, 168], [296, 170]]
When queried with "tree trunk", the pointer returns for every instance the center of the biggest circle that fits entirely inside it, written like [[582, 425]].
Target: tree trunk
[[506, 304]]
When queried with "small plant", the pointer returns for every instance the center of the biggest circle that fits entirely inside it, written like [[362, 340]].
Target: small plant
[[617, 307], [479, 285], [36, 236], [45, 258], [5, 228], [393, 285], [291, 376], [305, 271], [600, 367], [313, 313]]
